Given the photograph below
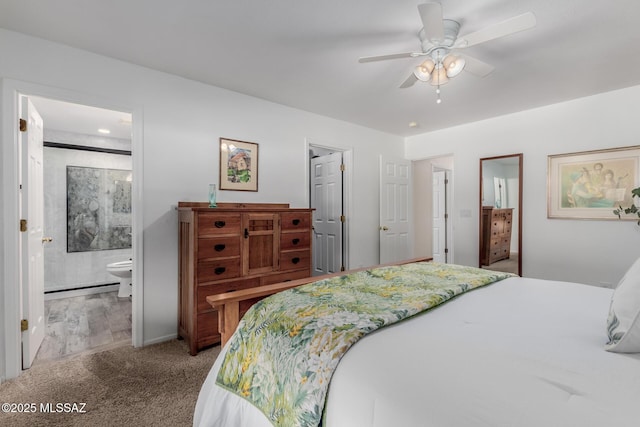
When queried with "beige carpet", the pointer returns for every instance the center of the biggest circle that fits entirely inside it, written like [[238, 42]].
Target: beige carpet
[[151, 386], [509, 265]]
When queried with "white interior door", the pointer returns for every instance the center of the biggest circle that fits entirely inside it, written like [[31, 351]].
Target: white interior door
[[439, 217], [326, 199], [395, 210], [32, 205]]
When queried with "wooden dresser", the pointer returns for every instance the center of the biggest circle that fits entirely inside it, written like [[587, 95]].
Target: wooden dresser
[[235, 246], [496, 234]]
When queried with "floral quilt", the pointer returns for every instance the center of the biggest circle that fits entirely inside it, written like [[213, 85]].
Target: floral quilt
[[283, 354]]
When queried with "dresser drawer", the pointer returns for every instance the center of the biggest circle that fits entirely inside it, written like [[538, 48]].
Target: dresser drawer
[[219, 288], [207, 332], [496, 243], [294, 260], [297, 240], [212, 223], [501, 213], [284, 277], [295, 220], [499, 253], [218, 247], [209, 271]]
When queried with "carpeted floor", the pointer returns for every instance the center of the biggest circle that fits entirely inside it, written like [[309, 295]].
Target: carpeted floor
[[509, 265], [156, 385]]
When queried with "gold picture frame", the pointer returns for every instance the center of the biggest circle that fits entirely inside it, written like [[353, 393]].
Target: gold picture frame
[[238, 165], [591, 184]]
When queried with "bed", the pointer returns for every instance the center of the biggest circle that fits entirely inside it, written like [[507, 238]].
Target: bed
[[517, 352]]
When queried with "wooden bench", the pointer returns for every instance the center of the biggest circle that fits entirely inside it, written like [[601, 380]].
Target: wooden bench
[[228, 304]]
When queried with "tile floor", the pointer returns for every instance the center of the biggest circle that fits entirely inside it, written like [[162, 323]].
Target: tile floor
[[85, 323]]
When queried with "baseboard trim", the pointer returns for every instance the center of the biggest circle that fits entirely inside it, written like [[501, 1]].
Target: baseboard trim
[[87, 286], [81, 292], [160, 339]]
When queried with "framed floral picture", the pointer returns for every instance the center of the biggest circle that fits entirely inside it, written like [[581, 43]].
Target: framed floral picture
[[238, 165], [591, 184]]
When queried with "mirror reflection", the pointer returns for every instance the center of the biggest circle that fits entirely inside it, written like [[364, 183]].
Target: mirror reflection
[[500, 213]]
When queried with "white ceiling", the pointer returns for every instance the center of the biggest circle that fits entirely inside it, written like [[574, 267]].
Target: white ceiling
[[305, 53], [82, 119]]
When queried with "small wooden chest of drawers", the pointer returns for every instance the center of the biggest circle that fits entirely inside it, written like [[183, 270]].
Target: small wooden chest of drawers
[[495, 244], [233, 247]]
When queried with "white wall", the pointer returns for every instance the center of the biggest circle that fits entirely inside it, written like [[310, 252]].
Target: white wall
[[512, 174], [490, 170], [594, 252], [183, 120]]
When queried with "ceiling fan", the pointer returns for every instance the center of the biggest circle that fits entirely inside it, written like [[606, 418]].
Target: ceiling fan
[[440, 41]]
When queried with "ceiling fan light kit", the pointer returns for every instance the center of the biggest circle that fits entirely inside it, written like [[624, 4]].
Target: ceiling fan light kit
[[453, 64], [448, 67], [439, 38], [439, 77], [423, 71]]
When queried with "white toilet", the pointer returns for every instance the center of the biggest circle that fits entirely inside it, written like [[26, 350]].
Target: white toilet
[[122, 270]]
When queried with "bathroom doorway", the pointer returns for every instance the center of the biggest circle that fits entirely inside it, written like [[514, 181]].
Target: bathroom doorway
[[17, 298], [88, 173]]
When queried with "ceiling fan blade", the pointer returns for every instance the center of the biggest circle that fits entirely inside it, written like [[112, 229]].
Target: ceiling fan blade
[[504, 28], [409, 82], [392, 56], [431, 15], [475, 66]]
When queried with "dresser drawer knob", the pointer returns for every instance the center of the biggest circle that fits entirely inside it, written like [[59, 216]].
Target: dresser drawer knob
[[219, 270], [296, 221], [219, 247], [219, 224], [295, 260], [295, 241]]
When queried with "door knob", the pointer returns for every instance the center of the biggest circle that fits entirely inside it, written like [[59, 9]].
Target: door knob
[[47, 239], [384, 228]]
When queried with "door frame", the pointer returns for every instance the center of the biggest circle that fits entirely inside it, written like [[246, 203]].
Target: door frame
[[442, 162], [347, 180], [448, 195], [10, 288]]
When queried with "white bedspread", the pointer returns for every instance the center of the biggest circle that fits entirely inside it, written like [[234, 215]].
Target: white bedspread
[[521, 352]]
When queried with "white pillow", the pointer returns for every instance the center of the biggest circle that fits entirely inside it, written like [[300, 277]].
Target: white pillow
[[623, 323]]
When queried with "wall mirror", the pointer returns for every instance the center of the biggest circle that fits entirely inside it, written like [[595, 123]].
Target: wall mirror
[[501, 213]]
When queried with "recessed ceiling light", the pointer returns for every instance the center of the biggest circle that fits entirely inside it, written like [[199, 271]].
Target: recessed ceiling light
[[104, 131], [413, 124]]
